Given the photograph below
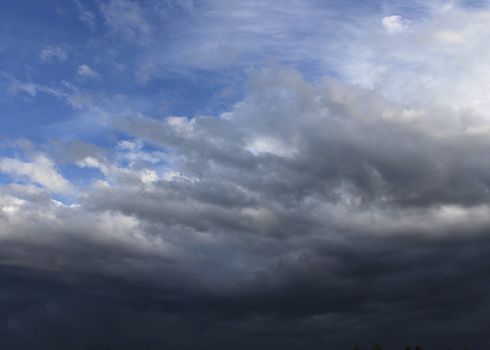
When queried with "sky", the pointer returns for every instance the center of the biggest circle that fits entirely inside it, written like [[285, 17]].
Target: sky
[[207, 174]]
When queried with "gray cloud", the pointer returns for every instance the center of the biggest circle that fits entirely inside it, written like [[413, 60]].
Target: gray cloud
[[310, 214]]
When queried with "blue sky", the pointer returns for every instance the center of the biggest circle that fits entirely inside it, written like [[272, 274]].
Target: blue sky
[[159, 58], [256, 172]]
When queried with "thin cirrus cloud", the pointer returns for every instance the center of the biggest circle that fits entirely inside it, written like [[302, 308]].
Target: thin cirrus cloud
[[341, 197], [126, 18]]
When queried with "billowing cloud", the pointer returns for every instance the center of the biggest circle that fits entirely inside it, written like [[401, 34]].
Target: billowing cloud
[[303, 208], [342, 196]]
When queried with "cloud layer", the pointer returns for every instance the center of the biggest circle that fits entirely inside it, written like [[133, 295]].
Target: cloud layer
[[305, 209]]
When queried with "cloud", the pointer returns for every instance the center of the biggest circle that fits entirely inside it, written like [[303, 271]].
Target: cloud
[[66, 92], [360, 52], [394, 24], [40, 170], [126, 18], [311, 211], [86, 71], [351, 211], [85, 15], [50, 53], [440, 59]]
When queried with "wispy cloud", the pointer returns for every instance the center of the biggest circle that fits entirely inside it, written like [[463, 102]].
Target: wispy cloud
[[50, 53], [85, 15], [126, 18]]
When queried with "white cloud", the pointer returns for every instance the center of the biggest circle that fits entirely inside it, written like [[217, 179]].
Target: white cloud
[[50, 53], [86, 71], [394, 24], [270, 145], [133, 153], [10, 205], [40, 170], [441, 59]]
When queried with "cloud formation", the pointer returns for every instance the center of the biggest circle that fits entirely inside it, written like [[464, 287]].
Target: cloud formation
[[341, 197], [86, 71], [351, 211], [40, 170], [394, 24]]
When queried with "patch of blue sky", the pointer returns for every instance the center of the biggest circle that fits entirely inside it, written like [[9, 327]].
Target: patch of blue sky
[[4, 179], [7, 179], [200, 92], [29, 26], [16, 148], [80, 176], [31, 116]]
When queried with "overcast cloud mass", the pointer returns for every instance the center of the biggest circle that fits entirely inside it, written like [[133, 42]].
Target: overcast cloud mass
[[302, 174]]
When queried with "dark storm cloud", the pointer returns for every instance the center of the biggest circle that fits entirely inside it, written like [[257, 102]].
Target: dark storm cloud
[[310, 215]]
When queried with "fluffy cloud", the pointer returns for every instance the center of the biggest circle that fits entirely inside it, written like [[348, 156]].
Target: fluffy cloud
[[394, 24], [86, 71], [40, 170]]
